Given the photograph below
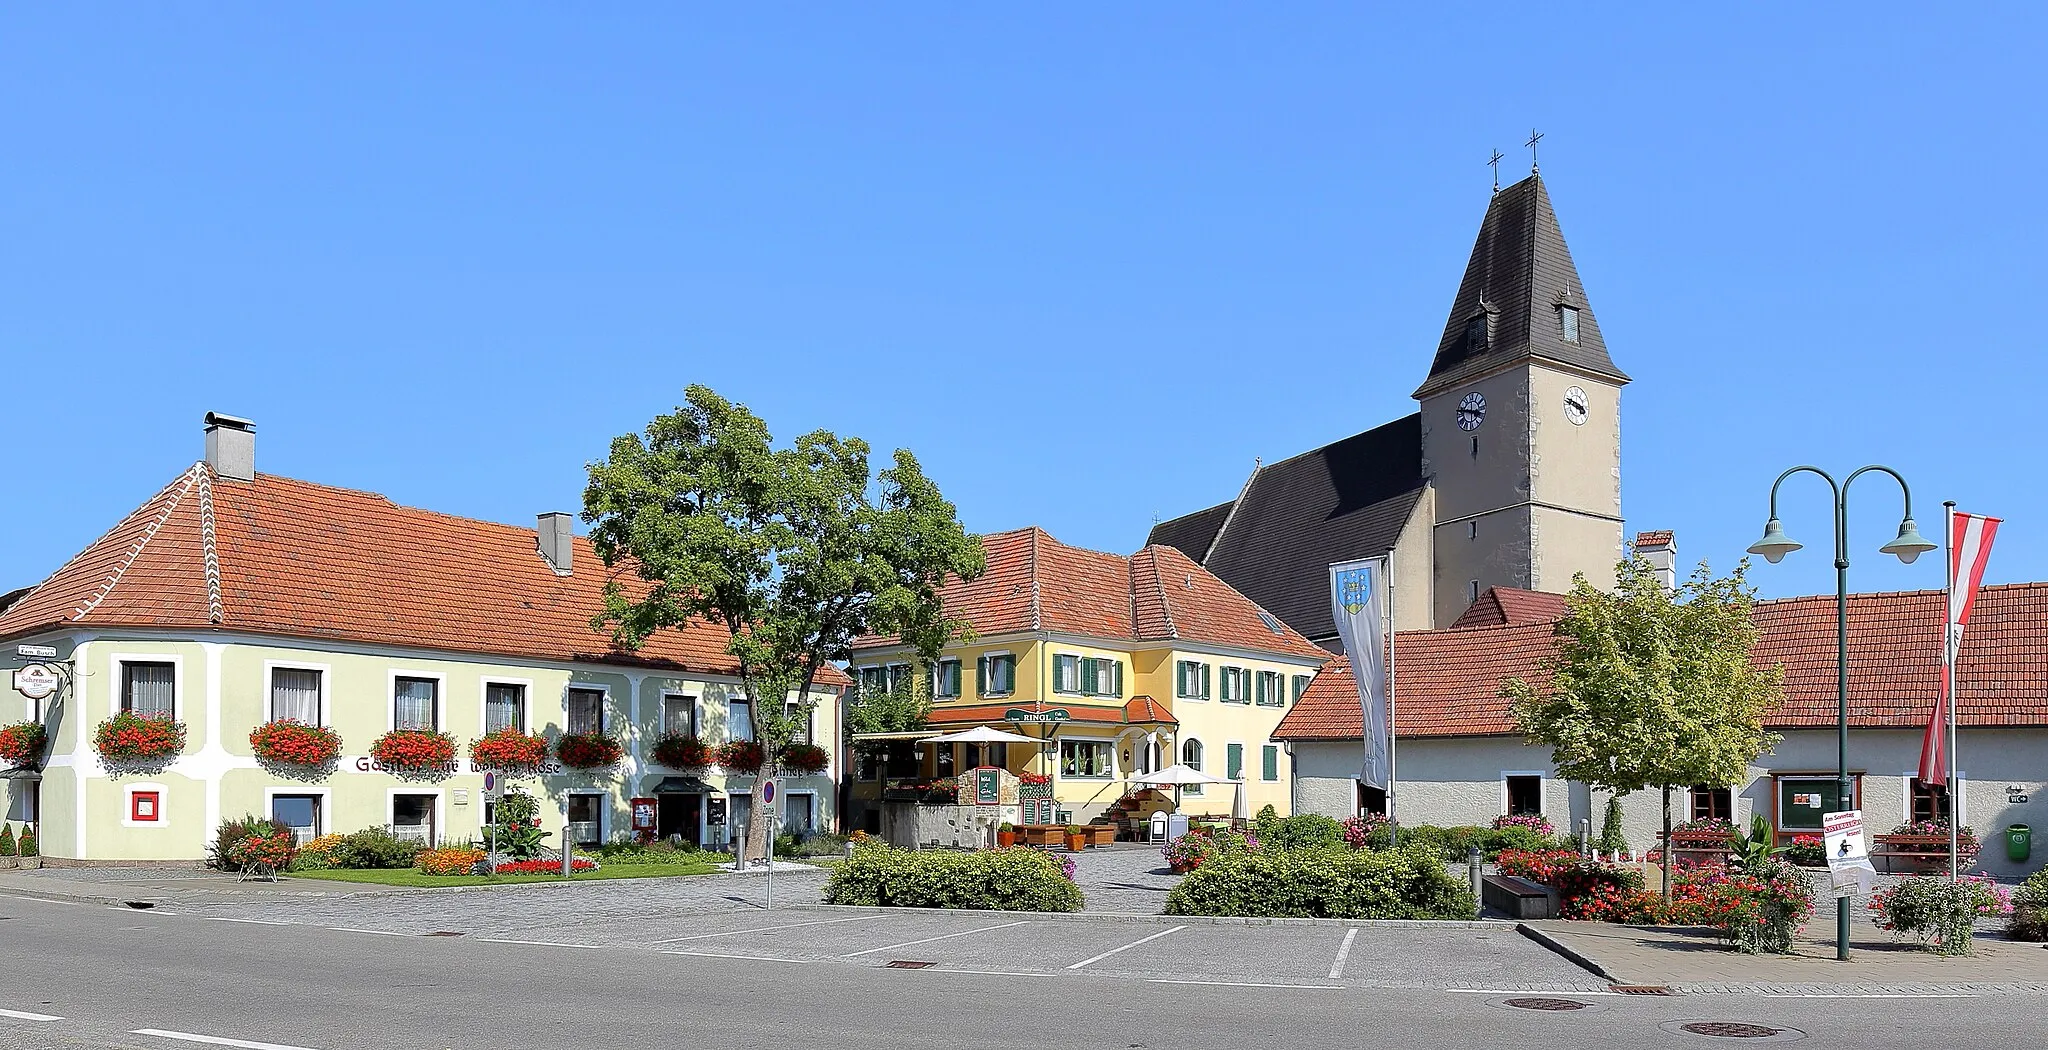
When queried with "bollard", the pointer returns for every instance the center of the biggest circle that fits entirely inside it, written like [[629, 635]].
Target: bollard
[[568, 853], [1586, 837], [1473, 860]]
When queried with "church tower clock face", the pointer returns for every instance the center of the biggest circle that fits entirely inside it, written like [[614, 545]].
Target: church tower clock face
[[1575, 406], [1471, 411]]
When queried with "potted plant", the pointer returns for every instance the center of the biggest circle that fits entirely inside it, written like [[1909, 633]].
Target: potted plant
[[290, 742], [415, 752], [742, 756], [31, 850], [21, 744], [130, 737], [7, 849], [1077, 838], [1006, 834], [589, 750], [683, 751], [804, 759]]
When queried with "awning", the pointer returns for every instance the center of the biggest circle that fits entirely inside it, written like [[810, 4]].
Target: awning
[[680, 786]]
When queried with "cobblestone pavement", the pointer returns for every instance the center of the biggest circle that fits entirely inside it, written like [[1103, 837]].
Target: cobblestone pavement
[[1129, 878]]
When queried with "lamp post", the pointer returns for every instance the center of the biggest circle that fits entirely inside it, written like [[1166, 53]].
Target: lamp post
[[1907, 546]]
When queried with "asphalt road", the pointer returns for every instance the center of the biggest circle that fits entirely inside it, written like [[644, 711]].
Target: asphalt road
[[107, 977]]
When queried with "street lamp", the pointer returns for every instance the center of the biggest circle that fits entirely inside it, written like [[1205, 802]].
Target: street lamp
[[1907, 546]]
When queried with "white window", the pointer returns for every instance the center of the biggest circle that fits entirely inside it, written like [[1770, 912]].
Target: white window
[[1237, 685], [946, 680], [1568, 323], [412, 817], [1066, 674], [586, 819], [586, 711], [149, 689], [804, 719], [739, 719], [295, 694], [1191, 757], [1102, 676], [1272, 689], [678, 715], [873, 680], [504, 706], [415, 703], [996, 674], [300, 813], [1523, 793], [1191, 681], [1084, 758]]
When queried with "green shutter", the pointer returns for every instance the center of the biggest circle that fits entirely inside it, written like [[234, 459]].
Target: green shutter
[[1234, 761], [1261, 694], [1270, 762], [1087, 672], [1180, 678], [981, 676], [1301, 682], [1116, 685], [1205, 681]]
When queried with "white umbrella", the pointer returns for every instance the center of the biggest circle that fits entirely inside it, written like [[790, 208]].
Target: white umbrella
[[1178, 774], [979, 735]]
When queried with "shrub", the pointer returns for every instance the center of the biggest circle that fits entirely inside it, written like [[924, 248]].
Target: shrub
[[29, 847], [129, 737], [681, 751], [1756, 908], [1535, 822], [317, 855], [2030, 909], [7, 846], [589, 750], [1369, 831], [813, 845], [1518, 837], [414, 751], [290, 742], [742, 756], [1014, 879], [1187, 852], [1307, 831], [1612, 839], [509, 750], [1323, 882], [1806, 851], [265, 844], [544, 867], [1942, 914], [516, 831], [374, 848], [449, 860], [228, 837], [804, 759], [21, 744]]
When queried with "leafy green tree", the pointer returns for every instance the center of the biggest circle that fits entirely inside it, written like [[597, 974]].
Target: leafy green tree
[[1652, 687], [898, 710], [796, 551]]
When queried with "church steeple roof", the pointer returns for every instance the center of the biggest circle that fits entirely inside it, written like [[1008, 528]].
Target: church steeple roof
[[1510, 306]]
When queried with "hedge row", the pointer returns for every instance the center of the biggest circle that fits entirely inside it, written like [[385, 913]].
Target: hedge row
[[1014, 879], [1323, 882]]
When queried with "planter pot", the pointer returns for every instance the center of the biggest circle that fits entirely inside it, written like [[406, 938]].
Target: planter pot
[[1077, 843], [30, 863], [1103, 834], [1182, 867], [7, 862], [1006, 839]]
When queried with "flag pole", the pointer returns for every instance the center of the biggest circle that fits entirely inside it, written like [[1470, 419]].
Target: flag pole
[[1393, 737], [1948, 659]]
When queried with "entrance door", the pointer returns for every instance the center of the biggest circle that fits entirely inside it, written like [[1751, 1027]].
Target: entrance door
[[799, 814], [678, 814]]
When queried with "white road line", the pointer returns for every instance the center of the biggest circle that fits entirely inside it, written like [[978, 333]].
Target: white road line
[[760, 929], [245, 1044], [728, 955], [1125, 948], [50, 900], [258, 922], [24, 1015], [542, 944], [1524, 991], [1867, 995], [984, 973], [1246, 984], [1343, 953], [379, 933], [928, 940]]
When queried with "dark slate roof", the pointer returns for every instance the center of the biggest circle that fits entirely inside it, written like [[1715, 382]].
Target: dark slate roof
[[1519, 272], [1345, 500]]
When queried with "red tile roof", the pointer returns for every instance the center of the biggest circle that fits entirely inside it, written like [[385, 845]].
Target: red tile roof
[[282, 557], [1141, 710], [1447, 682], [1036, 583], [1511, 605], [1653, 539]]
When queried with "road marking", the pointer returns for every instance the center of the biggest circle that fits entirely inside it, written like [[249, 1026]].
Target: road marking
[[50, 900], [1343, 953], [1245, 984], [1867, 995], [379, 933], [24, 1015], [727, 955], [761, 929], [989, 973], [245, 1044], [542, 944], [928, 940], [1525, 991], [258, 922], [1126, 947]]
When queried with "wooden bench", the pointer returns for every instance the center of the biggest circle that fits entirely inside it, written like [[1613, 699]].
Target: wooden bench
[[1925, 852], [1518, 898]]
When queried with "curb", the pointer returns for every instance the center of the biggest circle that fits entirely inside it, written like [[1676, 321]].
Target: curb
[[1567, 952], [1165, 920]]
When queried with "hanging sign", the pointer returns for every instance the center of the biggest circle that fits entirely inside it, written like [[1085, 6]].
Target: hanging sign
[[1848, 853], [36, 652], [36, 681]]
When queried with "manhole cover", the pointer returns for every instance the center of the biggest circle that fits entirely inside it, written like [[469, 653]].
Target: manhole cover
[[1729, 1030], [907, 964], [444, 933], [1538, 1003]]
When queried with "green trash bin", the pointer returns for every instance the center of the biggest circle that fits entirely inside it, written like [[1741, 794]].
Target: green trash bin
[[2019, 842]]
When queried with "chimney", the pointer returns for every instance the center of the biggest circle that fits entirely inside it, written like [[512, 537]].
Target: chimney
[[557, 544], [1660, 550], [231, 447]]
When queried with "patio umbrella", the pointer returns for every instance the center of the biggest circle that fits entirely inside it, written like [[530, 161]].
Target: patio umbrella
[[979, 735], [1177, 775]]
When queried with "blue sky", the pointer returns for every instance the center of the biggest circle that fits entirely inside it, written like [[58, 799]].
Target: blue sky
[[1087, 265]]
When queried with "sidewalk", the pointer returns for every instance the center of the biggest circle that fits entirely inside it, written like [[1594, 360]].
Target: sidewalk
[[1693, 960], [162, 885]]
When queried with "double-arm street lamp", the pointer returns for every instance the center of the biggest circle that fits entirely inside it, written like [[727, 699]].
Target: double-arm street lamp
[[1907, 546]]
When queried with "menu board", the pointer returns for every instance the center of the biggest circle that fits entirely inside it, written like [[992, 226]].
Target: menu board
[[988, 786]]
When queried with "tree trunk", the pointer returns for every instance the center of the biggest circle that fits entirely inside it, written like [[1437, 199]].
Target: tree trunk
[[1666, 852], [760, 841]]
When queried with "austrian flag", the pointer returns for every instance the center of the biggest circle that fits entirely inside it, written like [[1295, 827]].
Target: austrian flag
[[1969, 547]]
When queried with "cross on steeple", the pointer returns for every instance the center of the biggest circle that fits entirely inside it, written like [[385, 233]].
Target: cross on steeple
[[1534, 138], [1495, 165]]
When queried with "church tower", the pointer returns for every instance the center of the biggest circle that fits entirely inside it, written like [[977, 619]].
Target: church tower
[[1521, 424]]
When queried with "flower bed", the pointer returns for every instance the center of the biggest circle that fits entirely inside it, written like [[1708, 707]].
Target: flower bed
[[415, 752], [543, 867], [1807, 851], [21, 744], [129, 737], [589, 750], [449, 861], [742, 756], [290, 742], [1757, 910], [680, 751], [1534, 822], [509, 751], [1942, 914], [1187, 852], [1587, 889], [805, 759]]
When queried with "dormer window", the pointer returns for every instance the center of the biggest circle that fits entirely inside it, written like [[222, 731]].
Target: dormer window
[[1475, 334], [1568, 322]]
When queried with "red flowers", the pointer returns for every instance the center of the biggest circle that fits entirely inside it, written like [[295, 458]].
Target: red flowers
[[589, 750], [677, 751], [290, 742], [21, 744], [415, 751], [275, 850], [129, 737], [742, 756], [804, 758], [1034, 778], [543, 867], [509, 750]]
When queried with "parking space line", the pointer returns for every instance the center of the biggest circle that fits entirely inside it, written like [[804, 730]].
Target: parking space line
[[928, 940], [257, 922], [1245, 984], [1343, 953], [1127, 947], [729, 955], [215, 1040], [1524, 991], [760, 929], [24, 1015], [987, 973], [378, 933], [541, 944], [51, 900]]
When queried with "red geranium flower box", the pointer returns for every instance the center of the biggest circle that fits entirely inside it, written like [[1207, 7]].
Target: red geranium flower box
[[22, 743], [677, 751], [742, 756], [508, 750], [543, 867], [414, 750], [804, 758], [129, 737], [589, 750], [288, 741]]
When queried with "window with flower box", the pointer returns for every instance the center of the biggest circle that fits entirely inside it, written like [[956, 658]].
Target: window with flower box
[[504, 706], [149, 689], [678, 715], [586, 711], [295, 694], [1712, 803], [415, 702], [739, 719]]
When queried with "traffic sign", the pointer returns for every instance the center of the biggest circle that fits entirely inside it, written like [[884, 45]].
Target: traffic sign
[[490, 784], [768, 791]]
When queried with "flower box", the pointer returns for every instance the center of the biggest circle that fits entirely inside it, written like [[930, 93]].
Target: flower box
[[1102, 834], [290, 742], [129, 737], [589, 750], [543, 867], [21, 744], [804, 759], [415, 752], [678, 751], [742, 756], [509, 751]]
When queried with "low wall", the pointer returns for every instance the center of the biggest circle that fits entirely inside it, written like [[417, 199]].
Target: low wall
[[916, 825]]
